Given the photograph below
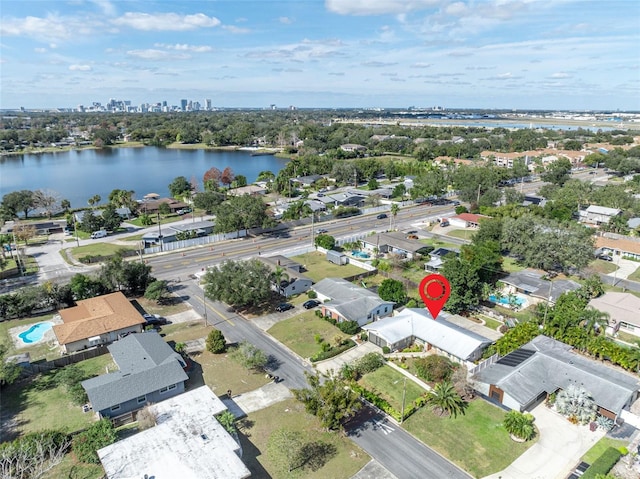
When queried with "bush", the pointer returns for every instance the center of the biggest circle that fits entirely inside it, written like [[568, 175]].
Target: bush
[[364, 336], [318, 313], [603, 464], [328, 319], [386, 350], [27, 456], [249, 356], [369, 363], [392, 290], [519, 425], [349, 327], [325, 241], [216, 343], [97, 436], [311, 294], [322, 355], [434, 368]]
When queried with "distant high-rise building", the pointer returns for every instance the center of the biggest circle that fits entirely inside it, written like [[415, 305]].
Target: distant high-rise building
[[207, 104], [183, 104]]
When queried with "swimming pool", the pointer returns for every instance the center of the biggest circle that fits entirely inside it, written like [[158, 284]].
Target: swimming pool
[[360, 254], [518, 299], [35, 333]]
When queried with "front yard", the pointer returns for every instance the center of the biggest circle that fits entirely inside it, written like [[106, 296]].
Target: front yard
[[388, 383], [476, 441], [343, 457], [319, 268], [298, 333]]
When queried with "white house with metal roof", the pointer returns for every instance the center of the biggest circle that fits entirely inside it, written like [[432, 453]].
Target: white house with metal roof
[[597, 215], [623, 310], [525, 377], [187, 442], [441, 336], [345, 301]]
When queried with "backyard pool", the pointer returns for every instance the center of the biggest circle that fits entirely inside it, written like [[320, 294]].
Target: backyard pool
[[35, 333], [361, 254], [518, 299]]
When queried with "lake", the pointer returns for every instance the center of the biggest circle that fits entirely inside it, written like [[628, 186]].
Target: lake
[[78, 175]]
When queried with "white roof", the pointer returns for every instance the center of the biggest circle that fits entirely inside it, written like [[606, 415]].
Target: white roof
[[621, 307], [603, 210], [444, 335], [187, 443]]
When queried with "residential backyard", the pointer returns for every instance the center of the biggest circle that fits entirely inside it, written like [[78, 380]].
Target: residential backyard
[[319, 268], [343, 458], [475, 441], [40, 350], [389, 384], [299, 332]]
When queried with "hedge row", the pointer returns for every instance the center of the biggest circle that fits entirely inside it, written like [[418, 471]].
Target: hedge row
[[322, 355], [603, 464], [383, 404]]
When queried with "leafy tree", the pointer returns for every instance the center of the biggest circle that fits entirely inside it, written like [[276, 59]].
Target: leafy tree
[[136, 277], [208, 200], [47, 201], [216, 343], [369, 363], [145, 219], [94, 200], [392, 290], [65, 205], [373, 184], [100, 434], [111, 220], [104, 137], [240, 181], [517, 336], [90, 222], [84, 287], [180, 187], [211, 179], [444, 399], [164, 209], [18, 201], [328, 399], [250, 356], [9, 370], [157, 291], [519, 425], [239, 283], [24, 232], [431, 183], [434, 368], [227, 176], [557, 172], [464, 279], [325, 241], [266, 175], [241, 213]]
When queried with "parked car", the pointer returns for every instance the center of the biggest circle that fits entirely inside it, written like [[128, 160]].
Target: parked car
[[282, 307], [322, 231], [444, 223], [312, 303], [382, 216], [412, 236], [154, 319], [605, 257], [184, 211]]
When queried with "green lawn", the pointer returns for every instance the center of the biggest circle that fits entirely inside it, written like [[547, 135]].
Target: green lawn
[[635, 276], [72, 469], [476, 441], [604, 267], [298, 333], [98, 249], [389, 384], [319, 268], [628, 337], [599, 447], [490, 322], [436, 243], [344, 458], [133, 238], [463, 234], [510, 265], [38, 350], [37, 405], [172, 306]]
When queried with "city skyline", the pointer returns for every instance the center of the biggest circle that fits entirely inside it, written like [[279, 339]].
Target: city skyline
[[523, 54]]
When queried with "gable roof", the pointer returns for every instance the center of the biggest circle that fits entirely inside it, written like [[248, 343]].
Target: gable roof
[[470, 217], [449, 337], [349, 300], [147, 363], [96, 316], [620, 307], [531, 282], [549, 365], [395, 240]]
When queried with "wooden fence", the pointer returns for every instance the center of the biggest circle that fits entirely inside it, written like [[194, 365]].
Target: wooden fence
[[42, 367]]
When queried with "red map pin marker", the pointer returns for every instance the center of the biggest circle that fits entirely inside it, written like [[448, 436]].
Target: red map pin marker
[[435, 290]]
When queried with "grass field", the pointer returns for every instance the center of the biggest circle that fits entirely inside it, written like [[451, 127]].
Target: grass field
[[70, 468], [299, 331], [635, 276], [389, 384], [343, 460], [599, 447], [319, 268], [604, 267], [476, 442], [510, 265], [490, 322], [462, 234], [35, 404], [98, 249], [436, 243]]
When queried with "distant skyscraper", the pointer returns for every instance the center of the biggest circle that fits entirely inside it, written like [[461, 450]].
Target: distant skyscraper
[[183, 104], [207, 104]]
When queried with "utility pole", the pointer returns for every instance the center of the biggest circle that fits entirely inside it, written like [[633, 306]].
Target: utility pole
[[404, 393], [204, 303], [478, 201], [159, 233], [75, 230]]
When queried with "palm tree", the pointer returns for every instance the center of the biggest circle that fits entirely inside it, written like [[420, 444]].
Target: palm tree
[[278, 275], [519, 425], [594, 321], [394, 212], [444, 399], [576, 402], [94, 200]]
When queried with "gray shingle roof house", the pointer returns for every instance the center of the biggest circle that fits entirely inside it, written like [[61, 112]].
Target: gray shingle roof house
[[541, 367], [149, 372], [186, 442], [417, 325], [295, 281], [623, 310], [348, 302], [437, 258], [530, 282]]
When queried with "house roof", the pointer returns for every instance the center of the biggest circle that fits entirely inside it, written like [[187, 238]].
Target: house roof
[[531, 282], [624, 244], [444, 335], [96, 316], [292, 268], [470, 217], [247, 190], [187, 442], [349, 300], [633, 223], [396, 240], [548, 364], [621, 307], [603, 210], [147, 363]]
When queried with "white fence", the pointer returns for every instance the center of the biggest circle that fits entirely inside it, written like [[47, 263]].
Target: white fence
[[196, 242]]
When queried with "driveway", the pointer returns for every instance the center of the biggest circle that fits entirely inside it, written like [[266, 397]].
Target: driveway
[[558, 450], [625, 267], [349, 356]]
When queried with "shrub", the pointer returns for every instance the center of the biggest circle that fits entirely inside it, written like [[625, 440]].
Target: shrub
[[249, 356], [97, 436], [434, 368], [216, 343], [318, 313], [322, 355], [364, 336], [386, 350], [392, 290], [369, 363], [519, 425], [604, 423], [412, 303], [603, 464], [317, 338], [349, 327], [311, 294]]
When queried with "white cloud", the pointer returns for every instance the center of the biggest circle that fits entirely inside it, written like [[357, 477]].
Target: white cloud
[[285, 20], [40, 50], [560, 75], [456, 9], [52, 27], [378, 7], [106, 6], [185, 47], [234, 29], [80, 68], [151, 54], [421, 65], [376, 64], [166, 21]]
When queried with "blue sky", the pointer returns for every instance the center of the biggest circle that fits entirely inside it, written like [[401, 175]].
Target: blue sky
[[523, 54]]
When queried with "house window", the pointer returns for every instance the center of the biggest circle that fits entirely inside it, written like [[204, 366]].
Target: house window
[[293, 288], [173, 386], [115, 408], [142, 399], [168, 388], [386, 309], [369, 316]]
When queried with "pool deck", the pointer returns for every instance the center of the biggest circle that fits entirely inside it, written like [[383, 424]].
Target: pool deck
[[48, 337]]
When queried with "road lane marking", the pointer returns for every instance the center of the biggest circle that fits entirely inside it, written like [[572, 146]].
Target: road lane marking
[[386, 429]]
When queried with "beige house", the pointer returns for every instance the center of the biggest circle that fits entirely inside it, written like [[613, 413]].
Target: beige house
[[97, 321], [623, 310]]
